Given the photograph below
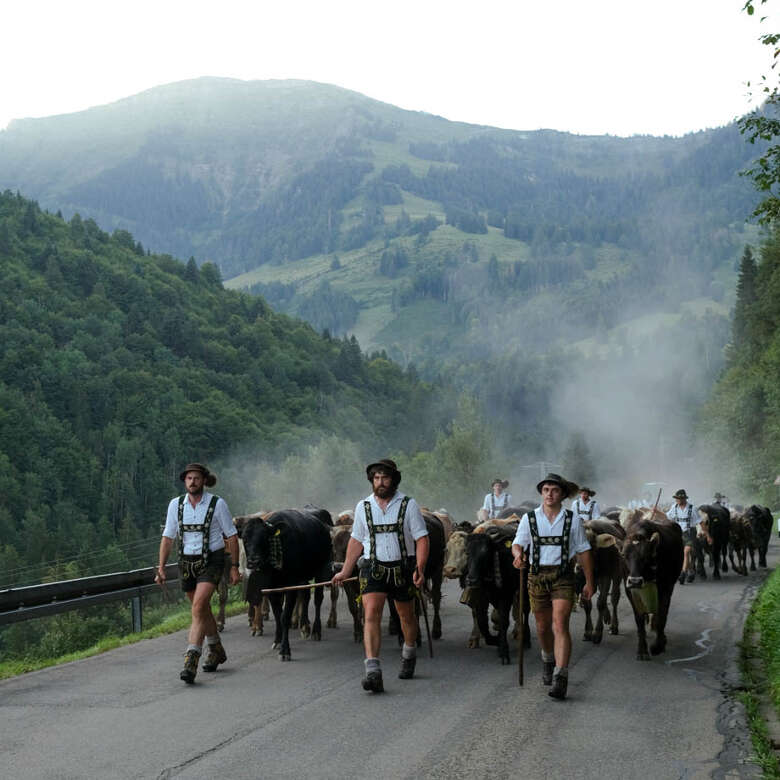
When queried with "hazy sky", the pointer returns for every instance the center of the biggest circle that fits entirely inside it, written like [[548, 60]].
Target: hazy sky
[[586, 66]]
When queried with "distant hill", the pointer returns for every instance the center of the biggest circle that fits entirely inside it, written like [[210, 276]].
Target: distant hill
[[469, 251], [348, 211]]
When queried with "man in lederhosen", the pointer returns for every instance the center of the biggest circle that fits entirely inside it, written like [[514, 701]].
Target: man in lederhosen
[[496, 500], [586, 507], [683, 513], [389, 541], [200, 520], [551, 537]]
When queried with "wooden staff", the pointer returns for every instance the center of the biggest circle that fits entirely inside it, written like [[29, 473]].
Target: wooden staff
[[265, 591], [521, 632]]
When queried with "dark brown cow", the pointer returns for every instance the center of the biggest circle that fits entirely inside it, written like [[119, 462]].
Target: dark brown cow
[[653, 552], [341, 535], [712, 536], [761, 523], [740, 542], [609, 570]]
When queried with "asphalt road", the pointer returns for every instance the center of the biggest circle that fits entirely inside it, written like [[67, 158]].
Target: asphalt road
[[125, 714]]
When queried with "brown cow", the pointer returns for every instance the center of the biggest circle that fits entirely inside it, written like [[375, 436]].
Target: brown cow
[[341, 535], [606, 539], [653, 552], [740, 542]]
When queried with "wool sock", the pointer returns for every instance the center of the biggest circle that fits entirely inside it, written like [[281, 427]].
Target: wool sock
[[548, 657], [561, 671], [196, 648], [372, 664], [408, 651], [212, 640]]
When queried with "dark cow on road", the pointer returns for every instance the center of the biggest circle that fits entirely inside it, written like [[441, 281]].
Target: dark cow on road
[[653, 552], [609, 571], [740, 542], [289, 547], [492, 579], [761, 522], [714, 530], [341, 535], [434, 566]]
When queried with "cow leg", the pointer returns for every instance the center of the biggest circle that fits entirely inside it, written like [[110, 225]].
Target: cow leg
[[660, 624], [265, 608], [473, 641], [351, 593], [615, 594], [762, 553], [504, 612], [484, 626], [256, 619], [698, 555], [222, 594], [302, 608], [587, 608], [436, 603], [601, 608], [290, 602], [316, 629], [277, 605], [334, 597], [752, 551], [642, 653]]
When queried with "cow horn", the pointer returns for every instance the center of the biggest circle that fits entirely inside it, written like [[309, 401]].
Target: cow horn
[[655, 538]]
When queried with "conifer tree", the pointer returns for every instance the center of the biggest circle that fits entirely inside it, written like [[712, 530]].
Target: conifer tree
[[746, 297]]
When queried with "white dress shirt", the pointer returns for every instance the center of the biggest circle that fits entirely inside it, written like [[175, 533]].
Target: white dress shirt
[[387, 548], [221, 523], [581, 508], [550, 554], [499, 503]]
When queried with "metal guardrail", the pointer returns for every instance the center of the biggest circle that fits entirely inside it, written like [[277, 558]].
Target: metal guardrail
[[51, 598]]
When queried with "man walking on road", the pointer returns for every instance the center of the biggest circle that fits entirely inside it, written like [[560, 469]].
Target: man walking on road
[[389, 542], [200, 520], [552, 536]]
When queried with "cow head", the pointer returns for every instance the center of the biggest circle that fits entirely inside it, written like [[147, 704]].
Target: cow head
[[263, 545], [640, 551], [480, 562], [455, 556]]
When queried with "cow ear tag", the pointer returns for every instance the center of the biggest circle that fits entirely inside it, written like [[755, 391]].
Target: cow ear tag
[[278, 531], [508, 543]]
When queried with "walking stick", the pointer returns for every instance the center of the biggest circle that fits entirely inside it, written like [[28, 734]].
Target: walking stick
[[521, 632], [424, 609]]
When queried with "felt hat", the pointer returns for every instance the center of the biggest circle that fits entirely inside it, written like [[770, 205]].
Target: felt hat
[[498, 481], [680, 494], [386, 465], [569, 488], [587, 490], [209, 479]]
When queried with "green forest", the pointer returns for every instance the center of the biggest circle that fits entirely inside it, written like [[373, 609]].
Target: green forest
[[119, 365]]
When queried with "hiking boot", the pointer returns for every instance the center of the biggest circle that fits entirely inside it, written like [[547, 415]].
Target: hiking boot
[[216, 656], [691, 576], [559, 685], [190, 669], [548, 667], [373, 681], [407, 668]]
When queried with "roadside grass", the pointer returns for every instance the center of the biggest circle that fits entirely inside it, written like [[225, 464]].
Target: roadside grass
[[175, 621], [761, 671]]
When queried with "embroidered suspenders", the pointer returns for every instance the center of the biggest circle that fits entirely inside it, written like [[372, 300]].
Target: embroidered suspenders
[[589, 513], [493, 512], [561, 541], [378, 570], [202, 529]]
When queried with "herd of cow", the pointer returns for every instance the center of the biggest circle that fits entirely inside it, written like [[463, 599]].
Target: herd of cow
[[640, 549]]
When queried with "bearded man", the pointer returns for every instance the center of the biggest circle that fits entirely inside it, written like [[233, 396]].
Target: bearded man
[[389, 542], [204, 526]]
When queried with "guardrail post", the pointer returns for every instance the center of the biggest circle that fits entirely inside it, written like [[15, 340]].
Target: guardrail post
[[137, 611]]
